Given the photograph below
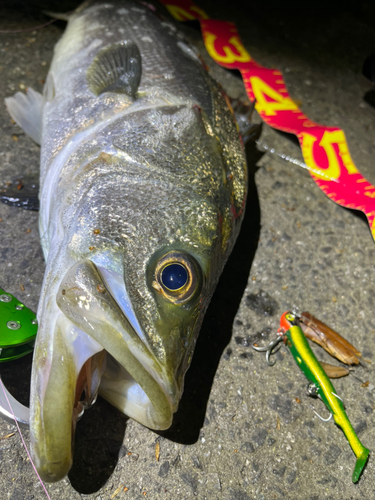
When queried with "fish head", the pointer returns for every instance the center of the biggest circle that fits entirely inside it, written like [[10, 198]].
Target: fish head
[[123, 320]]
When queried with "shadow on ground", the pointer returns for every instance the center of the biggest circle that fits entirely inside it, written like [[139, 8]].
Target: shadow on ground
[[98, 447]]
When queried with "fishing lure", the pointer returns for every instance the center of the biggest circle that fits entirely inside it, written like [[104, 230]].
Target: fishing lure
[[291, 334]]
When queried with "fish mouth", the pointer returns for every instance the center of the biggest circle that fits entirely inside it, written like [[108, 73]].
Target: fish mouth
[[97, 348]]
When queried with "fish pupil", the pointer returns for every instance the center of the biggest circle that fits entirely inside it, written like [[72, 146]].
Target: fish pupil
[[174, 276]]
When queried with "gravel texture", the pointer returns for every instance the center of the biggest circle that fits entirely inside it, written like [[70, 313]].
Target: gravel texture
[[244, 430]]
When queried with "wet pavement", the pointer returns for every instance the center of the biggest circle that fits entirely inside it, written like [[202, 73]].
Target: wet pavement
[[244, 430]]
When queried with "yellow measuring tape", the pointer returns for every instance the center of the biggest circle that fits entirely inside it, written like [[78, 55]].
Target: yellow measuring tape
[[324, 149]]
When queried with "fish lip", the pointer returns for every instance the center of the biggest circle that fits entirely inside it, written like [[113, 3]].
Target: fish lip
[[138, 385]]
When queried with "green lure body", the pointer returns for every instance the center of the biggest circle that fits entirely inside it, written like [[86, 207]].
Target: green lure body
[[306, 360]]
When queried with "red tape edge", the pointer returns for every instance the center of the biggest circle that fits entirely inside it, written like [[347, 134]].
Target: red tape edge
[[324, 149]]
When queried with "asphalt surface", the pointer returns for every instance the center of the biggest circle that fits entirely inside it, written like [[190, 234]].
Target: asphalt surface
[[244, 430]]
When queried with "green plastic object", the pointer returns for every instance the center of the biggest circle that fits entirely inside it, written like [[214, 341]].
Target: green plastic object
[[18, 328], [323, 388]]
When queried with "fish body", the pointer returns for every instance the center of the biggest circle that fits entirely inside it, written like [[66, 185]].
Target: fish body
[[143, 187]]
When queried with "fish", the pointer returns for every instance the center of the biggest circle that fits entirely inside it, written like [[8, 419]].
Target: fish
[[143, 183]]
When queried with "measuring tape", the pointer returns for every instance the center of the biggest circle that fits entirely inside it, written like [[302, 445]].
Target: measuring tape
[[324, 149], [18, 328]]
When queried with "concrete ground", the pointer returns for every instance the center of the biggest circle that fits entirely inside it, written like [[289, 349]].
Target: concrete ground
[[244, 430]]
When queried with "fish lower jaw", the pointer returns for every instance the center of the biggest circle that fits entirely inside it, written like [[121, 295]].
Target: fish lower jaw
[[68, 383], [81, 330], [63, 369]]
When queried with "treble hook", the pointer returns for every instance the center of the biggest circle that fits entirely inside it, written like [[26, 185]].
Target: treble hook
[[268, 349]]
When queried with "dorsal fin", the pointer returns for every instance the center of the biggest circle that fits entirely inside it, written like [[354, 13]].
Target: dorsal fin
[[117, 68]]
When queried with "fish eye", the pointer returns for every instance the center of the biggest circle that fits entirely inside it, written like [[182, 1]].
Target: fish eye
[[174, 276], [177, 276]]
